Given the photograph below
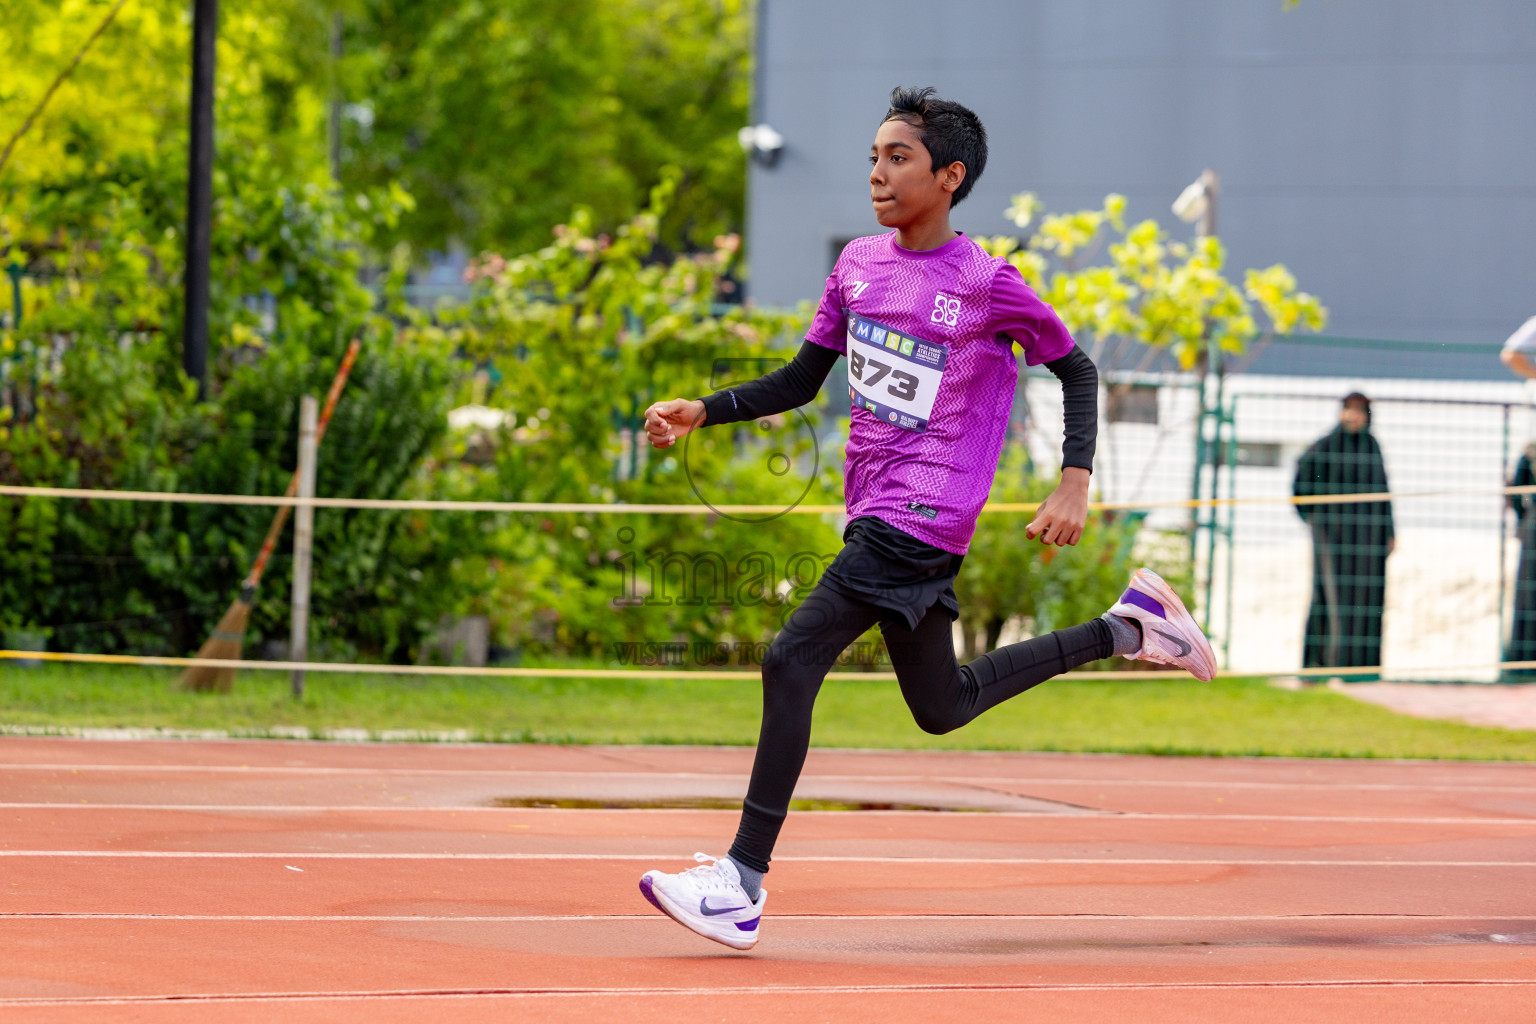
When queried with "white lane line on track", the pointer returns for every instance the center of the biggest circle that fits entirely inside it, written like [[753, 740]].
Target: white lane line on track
[[966, 780], [538, 918], [1148, 861], [763, 990], [987, 815]]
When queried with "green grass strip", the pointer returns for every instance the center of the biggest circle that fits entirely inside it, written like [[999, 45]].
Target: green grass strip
[[1228, 717]]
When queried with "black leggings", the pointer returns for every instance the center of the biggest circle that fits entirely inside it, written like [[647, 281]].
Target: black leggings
[[942, 693]]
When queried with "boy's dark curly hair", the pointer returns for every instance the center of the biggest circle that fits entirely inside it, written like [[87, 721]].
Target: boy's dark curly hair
[[951, 132]]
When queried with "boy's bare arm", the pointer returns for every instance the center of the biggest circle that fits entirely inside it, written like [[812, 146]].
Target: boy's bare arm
[[1519, 362]]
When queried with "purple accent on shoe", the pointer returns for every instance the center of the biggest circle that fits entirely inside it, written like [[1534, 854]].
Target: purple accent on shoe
[[747, 926], [1145, 602], [645, 890]]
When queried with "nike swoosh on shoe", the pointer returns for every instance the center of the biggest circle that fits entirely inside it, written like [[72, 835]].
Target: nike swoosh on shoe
[[707, 911], [1178, 642]]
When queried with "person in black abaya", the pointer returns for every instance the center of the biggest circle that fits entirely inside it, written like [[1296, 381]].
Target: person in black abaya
[[1522, 633], [1350, 542]]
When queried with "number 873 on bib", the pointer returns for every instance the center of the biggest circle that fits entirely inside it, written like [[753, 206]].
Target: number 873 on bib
[[891, 375]]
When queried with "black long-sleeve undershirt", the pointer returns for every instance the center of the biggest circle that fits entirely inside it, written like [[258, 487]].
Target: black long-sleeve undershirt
[[786, 388], [796, 383], [1079, 407]]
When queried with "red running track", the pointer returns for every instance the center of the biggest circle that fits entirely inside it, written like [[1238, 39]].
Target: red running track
[[235, 881]]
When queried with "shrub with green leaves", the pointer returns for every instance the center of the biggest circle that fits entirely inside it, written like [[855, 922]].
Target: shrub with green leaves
[[91, 395], [1006, 575], [582, 335]]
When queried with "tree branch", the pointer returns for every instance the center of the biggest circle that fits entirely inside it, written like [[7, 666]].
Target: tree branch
[[68, 70]]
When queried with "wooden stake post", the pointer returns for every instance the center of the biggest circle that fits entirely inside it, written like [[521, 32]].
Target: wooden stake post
[[303, 539], [229, 637]]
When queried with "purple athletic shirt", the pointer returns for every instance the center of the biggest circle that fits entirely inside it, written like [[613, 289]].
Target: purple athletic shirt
[[931, 377]]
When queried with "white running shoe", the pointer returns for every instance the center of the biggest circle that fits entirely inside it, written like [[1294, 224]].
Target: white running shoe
[[1169, 635], [708, 899]]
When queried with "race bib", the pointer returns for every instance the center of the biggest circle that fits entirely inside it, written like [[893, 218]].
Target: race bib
[[894, 376]]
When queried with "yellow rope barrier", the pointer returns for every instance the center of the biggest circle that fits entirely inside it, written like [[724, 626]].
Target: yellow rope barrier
[[746, 675], [22, 491], [611, 508]]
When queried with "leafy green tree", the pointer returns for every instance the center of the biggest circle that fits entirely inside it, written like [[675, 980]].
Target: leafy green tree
[[128, 97], [501, 115], [92, 202]]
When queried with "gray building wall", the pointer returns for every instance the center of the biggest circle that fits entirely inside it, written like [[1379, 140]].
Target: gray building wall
[[1385, 150]]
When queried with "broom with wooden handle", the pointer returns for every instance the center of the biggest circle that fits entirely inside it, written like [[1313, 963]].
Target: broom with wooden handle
[[228, 639]]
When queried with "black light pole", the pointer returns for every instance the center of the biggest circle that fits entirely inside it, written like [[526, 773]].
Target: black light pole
[[205, 18], [333, 122]]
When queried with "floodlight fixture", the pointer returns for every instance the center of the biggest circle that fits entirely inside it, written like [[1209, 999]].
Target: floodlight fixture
[[1190, 206], [1197, 203]]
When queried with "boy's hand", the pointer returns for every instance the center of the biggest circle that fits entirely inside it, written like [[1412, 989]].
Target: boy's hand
[[665, 422], [1059, 519]]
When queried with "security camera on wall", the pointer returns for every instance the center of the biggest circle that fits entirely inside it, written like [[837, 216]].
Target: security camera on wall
[[762, 143]]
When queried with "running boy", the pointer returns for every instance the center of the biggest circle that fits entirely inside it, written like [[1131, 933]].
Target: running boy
[[927, 320]]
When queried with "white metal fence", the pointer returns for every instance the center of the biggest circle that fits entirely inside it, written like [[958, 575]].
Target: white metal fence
[[1450, 582]]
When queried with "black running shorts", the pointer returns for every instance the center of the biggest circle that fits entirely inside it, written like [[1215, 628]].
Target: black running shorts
[[893, 570]]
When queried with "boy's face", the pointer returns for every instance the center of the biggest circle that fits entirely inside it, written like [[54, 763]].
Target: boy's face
[[903, 186]]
